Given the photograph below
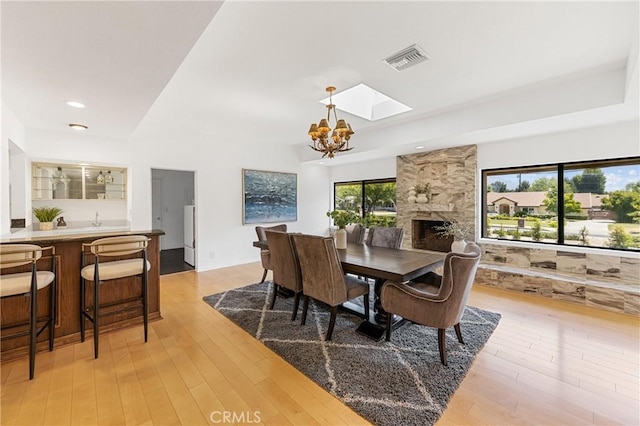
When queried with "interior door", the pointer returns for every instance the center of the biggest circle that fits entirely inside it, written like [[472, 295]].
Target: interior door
[[156, 205]]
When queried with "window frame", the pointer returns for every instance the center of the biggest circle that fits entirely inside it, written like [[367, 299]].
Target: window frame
[[560, 167]]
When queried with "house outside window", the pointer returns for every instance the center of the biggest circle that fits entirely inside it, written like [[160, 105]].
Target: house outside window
[[600, 208]]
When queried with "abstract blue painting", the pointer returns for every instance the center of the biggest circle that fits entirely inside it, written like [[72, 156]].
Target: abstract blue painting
[[269, 196]]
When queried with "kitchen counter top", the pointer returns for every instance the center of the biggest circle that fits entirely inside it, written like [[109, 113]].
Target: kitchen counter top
[[72, 234]]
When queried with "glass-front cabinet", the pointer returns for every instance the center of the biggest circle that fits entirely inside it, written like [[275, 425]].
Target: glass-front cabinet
[[51, 181]]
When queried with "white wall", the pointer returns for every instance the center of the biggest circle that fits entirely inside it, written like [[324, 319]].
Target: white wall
[[218, 161], [12, 130], [594, 143], [375, 169]]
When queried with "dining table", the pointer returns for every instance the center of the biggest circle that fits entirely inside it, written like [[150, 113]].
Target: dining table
[[381, 264]]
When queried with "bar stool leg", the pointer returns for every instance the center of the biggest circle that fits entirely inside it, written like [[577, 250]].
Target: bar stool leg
[[83, 307], [96, 316], [145, 296], [52, 310], [32, 322]]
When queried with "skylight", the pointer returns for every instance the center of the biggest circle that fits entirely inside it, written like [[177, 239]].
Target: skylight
[[368, 103]]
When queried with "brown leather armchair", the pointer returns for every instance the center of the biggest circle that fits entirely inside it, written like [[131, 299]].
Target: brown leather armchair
[[323, 278], [265, 256], [438, 305], [285, 266]]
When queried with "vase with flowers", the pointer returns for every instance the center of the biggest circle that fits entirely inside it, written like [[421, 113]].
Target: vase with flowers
[[460, 234], [342, 218]]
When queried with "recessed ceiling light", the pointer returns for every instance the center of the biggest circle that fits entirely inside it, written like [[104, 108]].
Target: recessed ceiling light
[[419, 147], [322, 162], [75, 104], [78, 126]]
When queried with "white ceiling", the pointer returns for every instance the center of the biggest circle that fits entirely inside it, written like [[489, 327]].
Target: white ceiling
[[260, 68]]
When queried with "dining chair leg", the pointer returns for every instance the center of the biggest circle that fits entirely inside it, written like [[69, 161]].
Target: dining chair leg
[[441, 346], [389, 316], [264, 276], [332, 322], [305, 306], [366, 306], [458, 332], [296, 302], [274, 293]]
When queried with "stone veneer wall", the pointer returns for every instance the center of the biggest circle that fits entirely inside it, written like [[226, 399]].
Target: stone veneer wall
[[607, 282], [452, 175], [603, 281]]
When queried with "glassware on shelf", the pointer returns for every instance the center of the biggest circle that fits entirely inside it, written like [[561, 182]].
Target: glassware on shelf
[[100, 178], [108, 178]]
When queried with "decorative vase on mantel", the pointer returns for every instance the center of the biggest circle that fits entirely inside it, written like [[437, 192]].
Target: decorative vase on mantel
[[412, 195], [422, 198], [340, 238]]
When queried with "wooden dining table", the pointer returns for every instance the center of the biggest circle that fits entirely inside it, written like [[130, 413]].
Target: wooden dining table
[[381, 264]]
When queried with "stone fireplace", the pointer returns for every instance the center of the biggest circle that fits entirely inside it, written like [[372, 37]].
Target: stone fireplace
[[451, 176], [424, 236]]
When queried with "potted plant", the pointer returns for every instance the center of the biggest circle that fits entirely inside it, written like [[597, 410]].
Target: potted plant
[[459, 233], [45, 216], [342, 218]]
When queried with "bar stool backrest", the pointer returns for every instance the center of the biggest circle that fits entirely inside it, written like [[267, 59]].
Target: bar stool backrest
[[119, 246], [13, 255]]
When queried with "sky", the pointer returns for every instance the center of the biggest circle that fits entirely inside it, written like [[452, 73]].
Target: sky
[[617, 177]]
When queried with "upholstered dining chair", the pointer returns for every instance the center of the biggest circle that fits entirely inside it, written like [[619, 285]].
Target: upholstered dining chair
[[285, 266], [18, 284], [265, 257], [383, 236], [355, 233], [323, 278], [438, 305], [134, 248]]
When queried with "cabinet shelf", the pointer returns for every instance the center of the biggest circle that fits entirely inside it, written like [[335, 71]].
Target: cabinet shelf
[[67, 181]]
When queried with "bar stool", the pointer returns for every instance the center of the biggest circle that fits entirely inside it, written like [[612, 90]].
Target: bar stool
[[27, 284], [98, 272]]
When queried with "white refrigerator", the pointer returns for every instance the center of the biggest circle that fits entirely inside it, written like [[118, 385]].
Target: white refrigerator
[[190, 235]]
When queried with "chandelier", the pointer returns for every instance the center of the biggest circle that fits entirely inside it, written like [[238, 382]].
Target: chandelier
[[339, 139]]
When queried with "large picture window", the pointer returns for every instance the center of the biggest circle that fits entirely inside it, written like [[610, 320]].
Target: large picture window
[[600, 204], [373, 200]]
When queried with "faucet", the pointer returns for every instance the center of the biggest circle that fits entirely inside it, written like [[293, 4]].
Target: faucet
[[96, 223]]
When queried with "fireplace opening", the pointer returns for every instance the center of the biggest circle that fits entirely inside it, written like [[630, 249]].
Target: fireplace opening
[[424, 236]]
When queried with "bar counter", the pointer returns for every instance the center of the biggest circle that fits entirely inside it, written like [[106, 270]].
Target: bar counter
[[68, 249]]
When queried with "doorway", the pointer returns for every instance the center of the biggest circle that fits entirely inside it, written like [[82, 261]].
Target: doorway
[[171, 192]]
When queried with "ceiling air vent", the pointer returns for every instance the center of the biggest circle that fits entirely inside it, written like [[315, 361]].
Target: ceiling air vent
[[406, 58]]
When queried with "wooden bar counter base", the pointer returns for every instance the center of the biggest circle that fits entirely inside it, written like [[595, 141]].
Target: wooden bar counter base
[[68, 249]]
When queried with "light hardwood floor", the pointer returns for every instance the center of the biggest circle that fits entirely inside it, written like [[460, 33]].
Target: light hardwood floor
[[547, 363]]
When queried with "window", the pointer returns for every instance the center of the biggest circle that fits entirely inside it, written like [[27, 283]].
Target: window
[[377, 196], [600, 208]]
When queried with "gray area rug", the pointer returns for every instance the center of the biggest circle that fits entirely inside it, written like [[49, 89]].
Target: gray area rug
[[401, 382]]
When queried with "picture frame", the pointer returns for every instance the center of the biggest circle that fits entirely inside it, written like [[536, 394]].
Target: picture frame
[[269, 197]]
